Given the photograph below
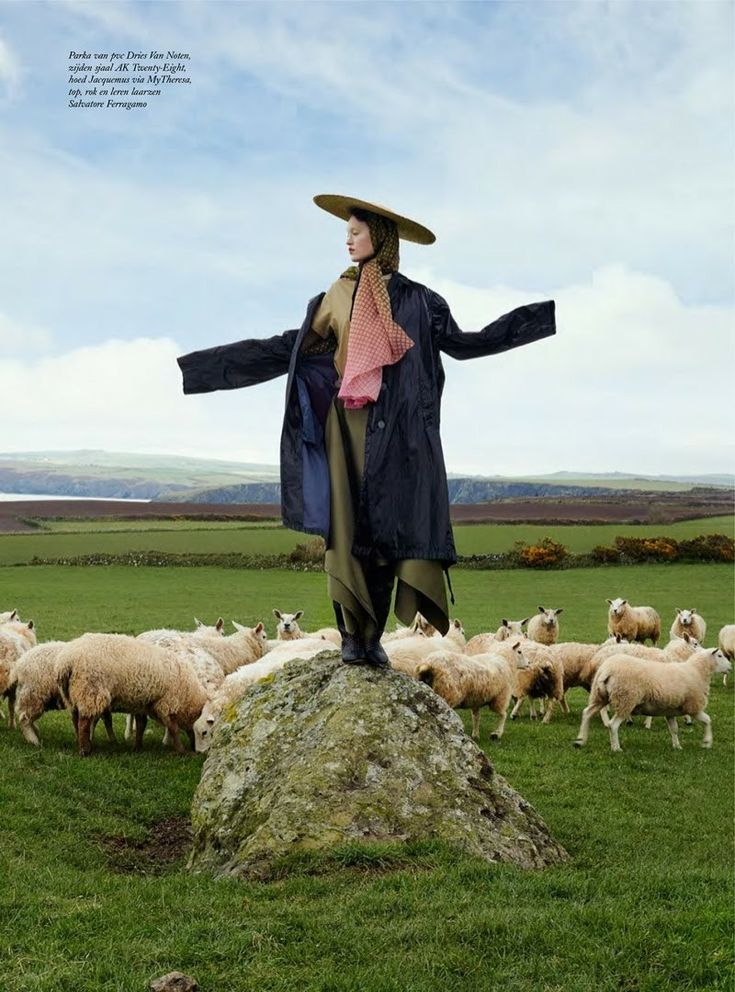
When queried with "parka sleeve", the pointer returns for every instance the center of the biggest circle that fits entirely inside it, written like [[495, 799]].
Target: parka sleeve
[[521, 326], [242, 363]]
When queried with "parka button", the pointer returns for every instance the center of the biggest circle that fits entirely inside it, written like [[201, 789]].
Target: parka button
[[381, 424]]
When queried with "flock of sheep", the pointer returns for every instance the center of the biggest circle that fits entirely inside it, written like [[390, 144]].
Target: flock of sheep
[[184, 680]]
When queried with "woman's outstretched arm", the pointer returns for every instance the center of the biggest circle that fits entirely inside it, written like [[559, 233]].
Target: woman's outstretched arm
[[519, 327], [242, 363]]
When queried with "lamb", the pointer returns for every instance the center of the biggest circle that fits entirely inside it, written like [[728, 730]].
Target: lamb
[[245, 646], [9, 615], [288, 627], [511, 628], [98, 672], [235, 685], [34, 689], [544, 627], [482, 680], [636, 623], [407, 653], [726, 641], [689, 622], [633, 685], [543, 678], [487, 641], [16, 637]]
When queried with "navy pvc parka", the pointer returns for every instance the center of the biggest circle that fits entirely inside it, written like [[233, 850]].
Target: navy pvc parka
[[403, 509]]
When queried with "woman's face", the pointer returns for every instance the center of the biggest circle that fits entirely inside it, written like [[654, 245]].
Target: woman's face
[[359, 243]]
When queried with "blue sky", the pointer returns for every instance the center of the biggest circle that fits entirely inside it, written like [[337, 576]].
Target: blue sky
[[576, 150]]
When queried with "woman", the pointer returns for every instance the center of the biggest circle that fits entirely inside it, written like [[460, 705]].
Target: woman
[[361, 456]]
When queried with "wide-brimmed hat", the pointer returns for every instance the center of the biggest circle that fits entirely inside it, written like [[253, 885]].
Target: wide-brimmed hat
[[340, 206]]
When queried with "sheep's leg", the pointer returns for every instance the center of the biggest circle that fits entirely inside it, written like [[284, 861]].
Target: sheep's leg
[[129, 726], [192, 739], [647, 722], [167, 737], [688, 720], [476, 722], [75, 722], [565, 705], [531, 708], [605, 716], [11, 709], [85, 735], [140, 724], [674, 731], [550, 712], [703, 718], [107, 720], [516, 708], [541, 706], [584, 727], [498, 732], [724, 679], [613, 728], [29, 732], [172, 726]]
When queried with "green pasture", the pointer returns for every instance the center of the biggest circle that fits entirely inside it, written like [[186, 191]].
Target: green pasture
[[217, 537], [110, 525], [644, 904]]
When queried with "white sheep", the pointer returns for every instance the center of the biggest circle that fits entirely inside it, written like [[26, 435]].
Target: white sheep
[[405, 654], [417, 629], [455, 634], [236, 685], [245, 646], [482, 680], [511, 628], [115, 672], [288, 625], [34, 689], [544, 627], [633, 685], [726, 642], [635, 623], [689, 622], [16, 637]]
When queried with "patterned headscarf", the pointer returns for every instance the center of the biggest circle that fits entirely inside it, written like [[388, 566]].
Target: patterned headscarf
[[375, 339]]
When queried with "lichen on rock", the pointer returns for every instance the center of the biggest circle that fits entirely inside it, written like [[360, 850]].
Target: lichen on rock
[[325, 754]]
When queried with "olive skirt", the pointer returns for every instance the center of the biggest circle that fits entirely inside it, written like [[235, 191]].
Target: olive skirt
[[420, 586]]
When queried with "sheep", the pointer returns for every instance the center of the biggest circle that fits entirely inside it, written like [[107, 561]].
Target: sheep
[[407, 653], [543, 678], [16, 637], [288, 627], [455, 634], [235, 685], [9, 615], [418, 628], [482, 680], [511, 628], [98, 672], [34, 689], [544, 627], [165, 636], [726, 642], [245, 646], [633, 685], [688, 622], [636, 623]]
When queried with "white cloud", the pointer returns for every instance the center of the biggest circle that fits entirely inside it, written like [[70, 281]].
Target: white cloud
[[634, 380], [10, 71], [21, 337]]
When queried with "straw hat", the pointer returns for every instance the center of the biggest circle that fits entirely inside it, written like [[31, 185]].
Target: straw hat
[[340, 206]]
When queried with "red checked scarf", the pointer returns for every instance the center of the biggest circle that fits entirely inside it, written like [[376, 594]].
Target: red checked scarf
[[375, 339]]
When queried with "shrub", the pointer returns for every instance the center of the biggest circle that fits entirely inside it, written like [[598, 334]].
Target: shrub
[[309, 553], [546, 554], [708, 547]]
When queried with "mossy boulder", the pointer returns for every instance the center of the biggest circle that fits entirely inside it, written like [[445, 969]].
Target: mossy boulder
[[324, 754]]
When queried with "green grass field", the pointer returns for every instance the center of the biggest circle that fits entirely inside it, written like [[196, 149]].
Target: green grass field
[[645, 903], [194, 537]]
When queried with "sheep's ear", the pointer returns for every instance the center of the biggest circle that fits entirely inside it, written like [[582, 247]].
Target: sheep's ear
[[277, 614], [14, 614], [560, 610], [504, 623], [686, 636], [515, 646], [623, 602], [198, 622], [523, 622], [541, 609], [694, 609], [30, 625], [298, 614], [678, 611], [236, 625], [456, 624], [618, 638], [220, 624], [259, 628], [609, 601]]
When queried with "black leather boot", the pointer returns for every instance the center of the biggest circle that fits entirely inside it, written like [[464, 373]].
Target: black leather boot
[[379, 580], [353, 647]]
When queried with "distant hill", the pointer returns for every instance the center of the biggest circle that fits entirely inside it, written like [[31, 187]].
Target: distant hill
[[125, 475]]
